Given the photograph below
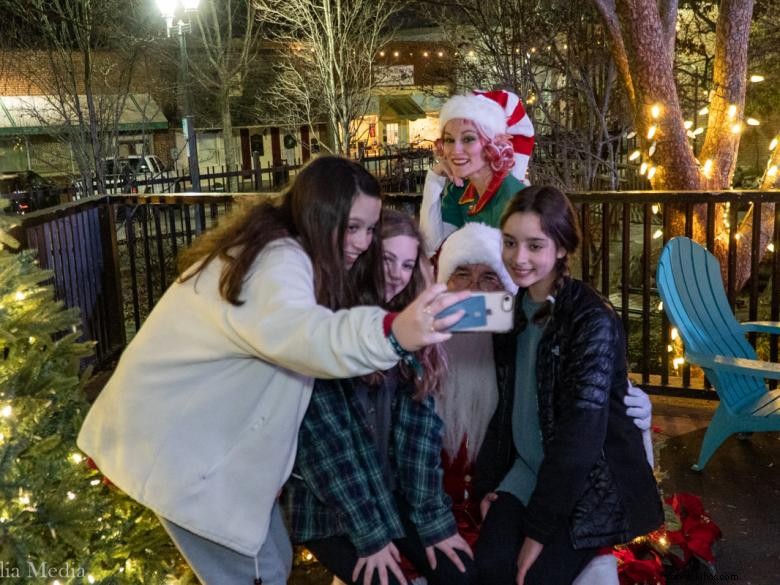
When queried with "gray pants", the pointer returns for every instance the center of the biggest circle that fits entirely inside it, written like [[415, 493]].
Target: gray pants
[[215, 564]]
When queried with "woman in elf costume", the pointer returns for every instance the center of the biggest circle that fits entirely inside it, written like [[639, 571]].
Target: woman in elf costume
[[485, 145]]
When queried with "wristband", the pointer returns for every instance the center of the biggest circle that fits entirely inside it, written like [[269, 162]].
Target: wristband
[[406, 356]]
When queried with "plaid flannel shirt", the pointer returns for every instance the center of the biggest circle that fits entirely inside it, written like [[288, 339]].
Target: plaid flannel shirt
[[337, 486]]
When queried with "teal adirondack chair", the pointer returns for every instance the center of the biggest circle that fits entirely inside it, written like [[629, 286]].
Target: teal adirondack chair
[[691, 288]]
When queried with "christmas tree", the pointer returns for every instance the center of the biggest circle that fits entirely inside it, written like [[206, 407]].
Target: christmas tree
[[60, 520]]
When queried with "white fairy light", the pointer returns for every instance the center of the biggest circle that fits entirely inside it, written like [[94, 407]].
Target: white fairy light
[[752, 122], [634, 155], [688, 124]]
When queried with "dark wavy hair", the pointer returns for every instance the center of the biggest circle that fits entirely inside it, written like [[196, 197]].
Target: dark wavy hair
[[558, 221], [499, 152], [315, 211], [432, 358]]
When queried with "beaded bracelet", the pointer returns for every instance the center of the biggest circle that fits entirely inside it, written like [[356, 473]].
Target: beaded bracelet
[[406, 356]]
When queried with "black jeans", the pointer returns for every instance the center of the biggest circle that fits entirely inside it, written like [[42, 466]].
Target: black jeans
[[495, 553], [339, 556]]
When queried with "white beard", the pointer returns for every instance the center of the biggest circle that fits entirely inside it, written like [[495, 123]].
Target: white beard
[[470, 394]]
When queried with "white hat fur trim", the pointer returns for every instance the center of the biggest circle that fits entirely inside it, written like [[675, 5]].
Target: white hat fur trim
[[484, 111], [474, 243]]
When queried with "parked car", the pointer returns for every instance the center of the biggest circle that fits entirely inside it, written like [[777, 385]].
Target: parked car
[[28, 191]]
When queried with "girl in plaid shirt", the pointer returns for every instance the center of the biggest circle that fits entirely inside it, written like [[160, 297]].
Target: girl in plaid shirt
[[367, 481]]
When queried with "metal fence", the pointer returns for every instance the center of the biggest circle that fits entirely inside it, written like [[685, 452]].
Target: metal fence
[[114, 256]]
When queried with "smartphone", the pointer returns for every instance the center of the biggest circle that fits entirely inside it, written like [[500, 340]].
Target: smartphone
[[487, 311]]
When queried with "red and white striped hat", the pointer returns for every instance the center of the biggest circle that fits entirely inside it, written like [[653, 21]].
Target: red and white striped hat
[[508, 118]]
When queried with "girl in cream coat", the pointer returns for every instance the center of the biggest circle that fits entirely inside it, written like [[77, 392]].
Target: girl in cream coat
[[199, 420]]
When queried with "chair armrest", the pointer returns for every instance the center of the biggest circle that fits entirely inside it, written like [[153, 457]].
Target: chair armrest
[[771, 327], [746, 367]]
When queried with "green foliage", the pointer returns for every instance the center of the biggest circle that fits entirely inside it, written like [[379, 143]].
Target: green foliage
[[58, 517]]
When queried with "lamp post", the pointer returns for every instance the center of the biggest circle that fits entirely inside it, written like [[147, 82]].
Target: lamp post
[[181, 27]]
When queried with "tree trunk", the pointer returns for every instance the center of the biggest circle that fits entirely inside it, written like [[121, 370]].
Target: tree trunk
[[227, 139]]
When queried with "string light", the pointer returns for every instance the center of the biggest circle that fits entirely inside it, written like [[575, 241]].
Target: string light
[[634, 155], [440, 53], [425, 54], [773, 144], [688, 124], [732, 111], [752, 122], [651, 132], [651, 172], [631, 134], [674, 333], [643, 168], [651, 150], [381, 53], [736, 128], [396, 53], [20, 296], [677, 362], [698, 131], [658, 233], [661, 306], [704, 111], [655, 208], [707, 169], [655, 111], [772, 171], [770, 247], [77, 458], [6, 411], [756, 78], [71, 496]]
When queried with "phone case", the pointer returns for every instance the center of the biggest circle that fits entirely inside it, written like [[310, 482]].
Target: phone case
[[493, 311]]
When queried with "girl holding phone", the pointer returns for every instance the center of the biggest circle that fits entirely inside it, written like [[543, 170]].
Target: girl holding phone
[[367, 481], [562, 468], [199, 420]]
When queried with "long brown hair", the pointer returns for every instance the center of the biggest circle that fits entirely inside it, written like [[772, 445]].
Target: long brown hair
[[315, 211], [432, 358], [558, 221]]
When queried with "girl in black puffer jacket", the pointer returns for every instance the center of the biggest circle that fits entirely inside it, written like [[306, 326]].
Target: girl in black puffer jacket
[[562, 468]]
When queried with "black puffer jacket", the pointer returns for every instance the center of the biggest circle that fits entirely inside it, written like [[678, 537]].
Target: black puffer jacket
[[594, 475]]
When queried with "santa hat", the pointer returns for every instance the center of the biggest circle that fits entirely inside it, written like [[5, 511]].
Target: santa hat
[[474, 243], [496, 112]]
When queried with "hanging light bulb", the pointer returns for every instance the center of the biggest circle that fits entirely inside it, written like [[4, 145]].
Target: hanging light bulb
[[651, 132]]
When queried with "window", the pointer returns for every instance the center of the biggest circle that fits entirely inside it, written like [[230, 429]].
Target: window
[[392, 133]]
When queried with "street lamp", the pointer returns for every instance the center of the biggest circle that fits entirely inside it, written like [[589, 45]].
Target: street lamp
[[181, 27]]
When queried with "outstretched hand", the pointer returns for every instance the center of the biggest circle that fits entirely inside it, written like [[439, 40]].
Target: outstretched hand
[[529, 552], [450, 546], [417, 326], [381, 561]]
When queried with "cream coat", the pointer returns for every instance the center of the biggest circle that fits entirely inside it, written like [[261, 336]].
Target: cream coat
[[199, 421]]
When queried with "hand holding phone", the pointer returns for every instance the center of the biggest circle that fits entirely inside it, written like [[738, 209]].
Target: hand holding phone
[[487, 311]]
